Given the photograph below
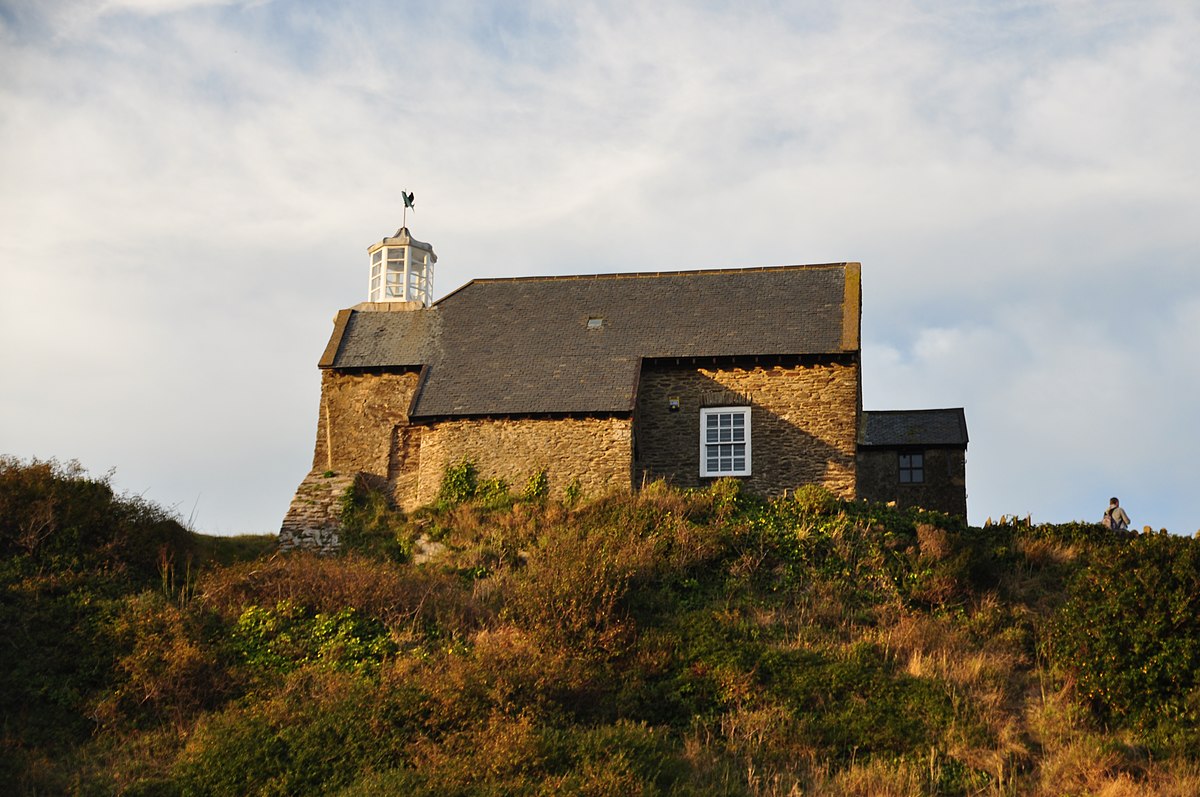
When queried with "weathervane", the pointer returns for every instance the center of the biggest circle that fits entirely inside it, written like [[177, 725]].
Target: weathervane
[[408, 203]]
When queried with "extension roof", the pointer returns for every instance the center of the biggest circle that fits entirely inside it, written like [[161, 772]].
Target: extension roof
[[898, 428], [525, 346]]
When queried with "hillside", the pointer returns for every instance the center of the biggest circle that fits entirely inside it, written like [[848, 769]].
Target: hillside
[[673, 643]]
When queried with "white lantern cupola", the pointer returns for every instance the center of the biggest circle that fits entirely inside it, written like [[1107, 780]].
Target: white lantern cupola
[[401, 270]]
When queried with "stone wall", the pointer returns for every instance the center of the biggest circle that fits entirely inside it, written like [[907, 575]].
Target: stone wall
[[363, 428], [803, 418], [944, 488], [594, 452], [313, 519], [358, 413]]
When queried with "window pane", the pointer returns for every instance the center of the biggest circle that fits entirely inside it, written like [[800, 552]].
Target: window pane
[[905, 476], [725, 439]]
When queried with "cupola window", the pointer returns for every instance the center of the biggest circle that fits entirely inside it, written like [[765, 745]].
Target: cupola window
[[401, 270]]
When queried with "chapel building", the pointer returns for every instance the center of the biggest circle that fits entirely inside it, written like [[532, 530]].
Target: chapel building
[[609, 381]]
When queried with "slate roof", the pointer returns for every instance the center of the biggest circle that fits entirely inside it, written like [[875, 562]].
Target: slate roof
[[524, 346], [377, 339], [895, 428]]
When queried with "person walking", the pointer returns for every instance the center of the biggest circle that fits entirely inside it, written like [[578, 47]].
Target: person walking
[[1115, 517]]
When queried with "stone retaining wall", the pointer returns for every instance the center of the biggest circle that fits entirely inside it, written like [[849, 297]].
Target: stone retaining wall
[[314, 517]]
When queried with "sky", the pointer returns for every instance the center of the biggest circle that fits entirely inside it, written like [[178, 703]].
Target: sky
[[188, 189]]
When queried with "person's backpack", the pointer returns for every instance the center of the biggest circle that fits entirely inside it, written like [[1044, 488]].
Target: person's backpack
[[1108, 521]]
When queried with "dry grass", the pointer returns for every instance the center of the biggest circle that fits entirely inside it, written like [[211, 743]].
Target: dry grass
[[934, 543], [1043, 553], [399, 596], [874, 778]]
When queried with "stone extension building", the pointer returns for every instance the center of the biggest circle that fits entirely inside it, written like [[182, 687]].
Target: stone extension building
[[914, 458], [605, 382]]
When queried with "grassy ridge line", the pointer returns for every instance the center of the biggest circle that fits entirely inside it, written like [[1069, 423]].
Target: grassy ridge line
[[664, 643]]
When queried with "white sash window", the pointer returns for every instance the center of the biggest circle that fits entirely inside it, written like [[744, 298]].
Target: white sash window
[[725, 441]]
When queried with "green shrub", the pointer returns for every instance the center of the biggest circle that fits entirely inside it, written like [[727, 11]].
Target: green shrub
[[667, 642], [288, 636], [50, 509], [166, 667], [406, 599], [493, 494], [58, 655], [459, 483], [1129, 635], [56, 516], [813, 499], [572, 587], [537, 487], [728, 497], [371, 525], [620, 758], [858, 702], [319, 732], [233, 753]]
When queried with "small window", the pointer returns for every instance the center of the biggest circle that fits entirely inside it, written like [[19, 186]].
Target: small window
[[912, 468], [595, 323], [725, 441]]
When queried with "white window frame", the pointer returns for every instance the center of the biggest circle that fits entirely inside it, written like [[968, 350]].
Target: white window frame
[[707, 412]]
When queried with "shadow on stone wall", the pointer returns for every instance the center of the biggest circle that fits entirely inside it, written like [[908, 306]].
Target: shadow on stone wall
[[783, 454]]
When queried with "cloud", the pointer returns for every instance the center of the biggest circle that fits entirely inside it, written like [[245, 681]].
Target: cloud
[[190, 188]]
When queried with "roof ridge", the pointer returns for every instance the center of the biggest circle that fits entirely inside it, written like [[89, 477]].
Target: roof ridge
[[923, 409], [644, 275], [673, 273]]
